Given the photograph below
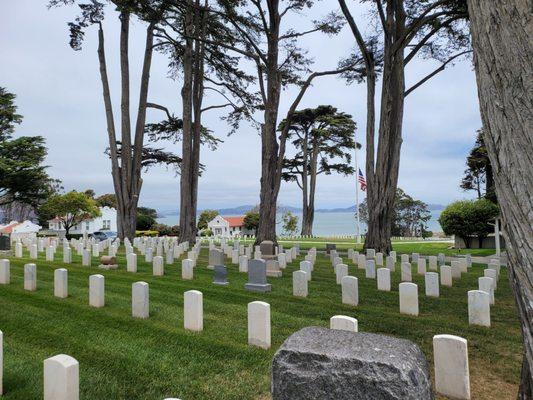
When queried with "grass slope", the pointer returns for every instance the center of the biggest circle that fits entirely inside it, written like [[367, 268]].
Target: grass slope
[[125, 358]]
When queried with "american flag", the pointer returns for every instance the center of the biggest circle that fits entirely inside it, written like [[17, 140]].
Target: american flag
[[362, 181]]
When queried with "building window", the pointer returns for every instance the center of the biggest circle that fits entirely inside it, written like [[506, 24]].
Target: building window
[[106, 224], [87, 226]]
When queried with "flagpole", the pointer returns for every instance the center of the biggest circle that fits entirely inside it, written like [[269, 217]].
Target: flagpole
[[358, 227]]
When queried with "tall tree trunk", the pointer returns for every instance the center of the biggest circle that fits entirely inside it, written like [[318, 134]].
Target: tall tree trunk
[[384, 173], [126, 168], [501, 34], [270, 178], [310, 217], [307, 224], [186, 206]]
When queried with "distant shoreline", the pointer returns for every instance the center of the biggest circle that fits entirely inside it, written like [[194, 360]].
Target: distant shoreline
[[325, 223]]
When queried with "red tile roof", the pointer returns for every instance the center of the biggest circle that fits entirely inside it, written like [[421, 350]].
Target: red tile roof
[[235, 222], [9, 228]]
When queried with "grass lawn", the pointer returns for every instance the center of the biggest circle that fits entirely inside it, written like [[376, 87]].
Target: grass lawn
[[125, 358]]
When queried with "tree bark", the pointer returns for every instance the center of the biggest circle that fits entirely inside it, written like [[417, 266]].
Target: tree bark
[[503, 55], [270, 178], [186, 205], [126, 168], [384, 173]]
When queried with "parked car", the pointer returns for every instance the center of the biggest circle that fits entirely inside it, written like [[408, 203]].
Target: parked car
[[103, 235]]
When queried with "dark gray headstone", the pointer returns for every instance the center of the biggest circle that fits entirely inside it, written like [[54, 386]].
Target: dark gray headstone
[[267, 248], [257, 277], [5, 243], [221, 275], [330, 246], [319, 363]]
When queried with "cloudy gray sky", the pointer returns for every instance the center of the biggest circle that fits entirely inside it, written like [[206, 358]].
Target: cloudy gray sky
[[59, 93]]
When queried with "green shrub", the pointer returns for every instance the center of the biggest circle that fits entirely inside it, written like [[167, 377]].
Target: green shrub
[[469, 218]]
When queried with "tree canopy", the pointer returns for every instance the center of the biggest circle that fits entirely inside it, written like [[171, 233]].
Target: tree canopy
[[23, 177], [410, 215], [205, 217], [70, 208], [478, 173], [469, 218]]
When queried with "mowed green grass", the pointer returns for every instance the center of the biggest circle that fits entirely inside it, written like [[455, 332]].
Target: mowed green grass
[[125, 358]]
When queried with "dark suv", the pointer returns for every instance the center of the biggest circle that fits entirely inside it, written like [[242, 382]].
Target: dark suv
[[103, 235]]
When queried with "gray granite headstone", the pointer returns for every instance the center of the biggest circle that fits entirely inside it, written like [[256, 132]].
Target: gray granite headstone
[[319, 363], [267, 248], [330, 246], [257, 278], [216, 257], [221, 275]]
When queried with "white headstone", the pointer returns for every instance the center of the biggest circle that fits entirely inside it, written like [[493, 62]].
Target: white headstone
[[50, 252], [452, 376], [456, 269], [491, 273], [193, 311], [404, 258], [158, 266], [432, 284], [370, 253], [406, 272], [343, 323], [67, 255], [384, 279], [96, 291], [370, 270], [18, 250], [131, 262], [140, 302], [433, 263], [350, 290], [421, 266], [5, 273], [34, 252], [341, 270], [187, 269], [361, 261], [408, 298], [446, 275], [86, 258], [61, 378], [30, 277], [486, 284], [299, 284], [390, 263], [61, 283], [379, 259], [243, 264], [307, 267], [478, 308], [259, 324]]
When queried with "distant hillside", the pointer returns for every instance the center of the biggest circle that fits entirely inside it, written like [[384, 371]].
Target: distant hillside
[[240, 210]]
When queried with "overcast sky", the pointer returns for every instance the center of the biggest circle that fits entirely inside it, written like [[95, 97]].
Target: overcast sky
[[59, 94]]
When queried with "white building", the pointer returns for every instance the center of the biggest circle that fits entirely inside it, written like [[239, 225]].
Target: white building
[[107, 221], [20, 230], [228, 226]]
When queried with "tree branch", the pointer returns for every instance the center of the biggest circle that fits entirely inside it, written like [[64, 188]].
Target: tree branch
[[435, 72]]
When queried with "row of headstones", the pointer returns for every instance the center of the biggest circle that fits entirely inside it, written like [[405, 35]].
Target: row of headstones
[[450, 353], [479, 301]]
